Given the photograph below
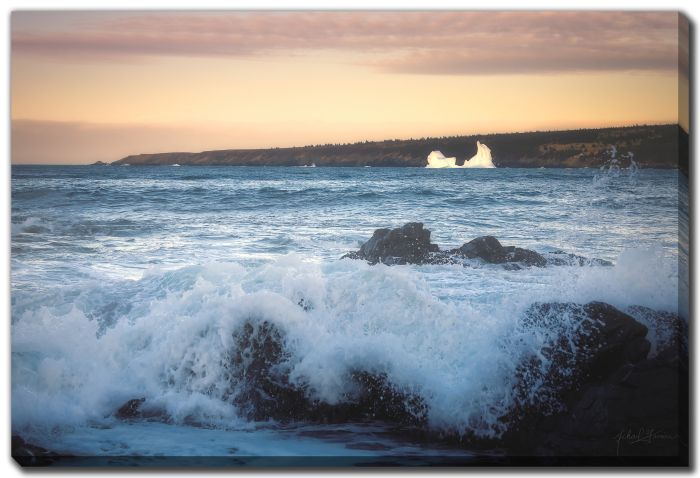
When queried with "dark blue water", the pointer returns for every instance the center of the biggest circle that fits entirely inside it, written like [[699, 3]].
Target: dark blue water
[[127, 218]]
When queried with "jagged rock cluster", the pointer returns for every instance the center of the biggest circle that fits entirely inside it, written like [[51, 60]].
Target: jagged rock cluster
[[410, 244]]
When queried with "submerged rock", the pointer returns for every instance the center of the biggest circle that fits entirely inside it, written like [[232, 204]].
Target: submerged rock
[[410, 244]]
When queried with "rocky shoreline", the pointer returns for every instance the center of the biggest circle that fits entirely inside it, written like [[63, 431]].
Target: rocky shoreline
[[598, 390], [595, 388]]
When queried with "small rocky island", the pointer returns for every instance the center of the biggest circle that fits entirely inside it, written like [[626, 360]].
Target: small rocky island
[[410, 244]]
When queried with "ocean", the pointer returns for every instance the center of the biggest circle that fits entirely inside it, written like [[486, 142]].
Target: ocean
[[132, 282]]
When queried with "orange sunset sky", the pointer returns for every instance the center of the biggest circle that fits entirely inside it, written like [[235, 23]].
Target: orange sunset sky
[[89, 86]]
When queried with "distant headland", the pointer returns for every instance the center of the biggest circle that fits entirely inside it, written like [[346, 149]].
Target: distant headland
[[653, 146]]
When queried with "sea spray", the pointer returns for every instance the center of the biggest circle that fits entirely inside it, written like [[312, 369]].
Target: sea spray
[[615, 166], [172, 345]]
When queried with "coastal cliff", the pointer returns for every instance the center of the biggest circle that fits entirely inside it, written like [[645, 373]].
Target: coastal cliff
[[657, 146]]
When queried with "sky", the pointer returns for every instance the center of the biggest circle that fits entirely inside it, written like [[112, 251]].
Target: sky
[[89, 86]]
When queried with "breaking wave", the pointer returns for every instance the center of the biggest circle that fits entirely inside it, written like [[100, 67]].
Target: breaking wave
[[80, 352]]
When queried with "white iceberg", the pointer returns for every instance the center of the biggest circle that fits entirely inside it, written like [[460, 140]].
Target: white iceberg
[[482, 159], [438, 160]]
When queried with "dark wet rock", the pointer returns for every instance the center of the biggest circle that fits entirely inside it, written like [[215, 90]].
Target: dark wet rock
[[489, 249], [130, 409], [259, 378], [410, 244], [611, 398], [580, 344], [258, 383], [670, 330], [524, 256], [378, 399], [486, 247], [139, 408], [28, 454], [374, 398], [639, 410], [262, 390]]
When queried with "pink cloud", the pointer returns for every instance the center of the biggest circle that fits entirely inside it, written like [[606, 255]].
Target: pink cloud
[[400, 42]]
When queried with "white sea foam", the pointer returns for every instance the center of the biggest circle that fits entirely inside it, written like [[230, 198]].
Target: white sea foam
[[171, 343]]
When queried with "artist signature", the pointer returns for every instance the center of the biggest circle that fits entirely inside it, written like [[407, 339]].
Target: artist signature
[[641, 435]]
